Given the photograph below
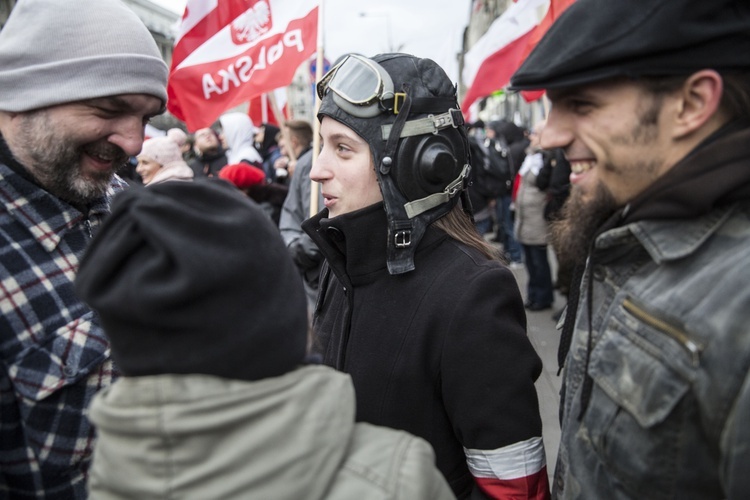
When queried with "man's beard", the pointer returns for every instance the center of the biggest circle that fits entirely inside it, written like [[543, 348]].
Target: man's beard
[[580, 219], [55, 160]]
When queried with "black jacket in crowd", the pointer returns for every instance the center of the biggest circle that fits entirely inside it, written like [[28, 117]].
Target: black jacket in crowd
[[440, 352], [208, 164]]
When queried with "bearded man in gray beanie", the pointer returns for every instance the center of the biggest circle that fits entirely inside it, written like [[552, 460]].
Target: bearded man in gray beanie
[[78, 82]]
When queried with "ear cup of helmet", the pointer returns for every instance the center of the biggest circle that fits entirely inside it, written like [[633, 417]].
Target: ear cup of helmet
[[426, 164]]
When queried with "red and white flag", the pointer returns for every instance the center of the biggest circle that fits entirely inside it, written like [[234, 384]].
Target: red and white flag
[[269, 108], [490, 63], [229, 51], [556, 7]]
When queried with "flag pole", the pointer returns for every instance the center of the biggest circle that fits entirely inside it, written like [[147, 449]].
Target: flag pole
[[314, 187], [280, 118], [264, 108]]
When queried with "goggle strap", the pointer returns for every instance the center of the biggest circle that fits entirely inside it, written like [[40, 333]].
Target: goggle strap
[[429, 125], [420, 206], [392, 141], [421, 105]]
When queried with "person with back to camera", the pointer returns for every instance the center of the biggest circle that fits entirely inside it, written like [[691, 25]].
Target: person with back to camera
[[252, 181], [78, 83], [413, 303], [217, 400], [651, 103], [507, 136], [531, 228]]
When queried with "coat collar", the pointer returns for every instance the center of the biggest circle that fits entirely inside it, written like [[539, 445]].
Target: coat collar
[[355, 244]]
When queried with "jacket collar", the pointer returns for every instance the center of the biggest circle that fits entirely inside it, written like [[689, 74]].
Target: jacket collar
[[715, 174], [662, 239], [699, 191], [45, 216], [355, 244]]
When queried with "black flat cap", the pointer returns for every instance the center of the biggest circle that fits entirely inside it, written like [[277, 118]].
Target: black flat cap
[[598, 39]]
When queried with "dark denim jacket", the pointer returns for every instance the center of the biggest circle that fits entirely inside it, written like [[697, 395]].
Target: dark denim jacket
[[669, 412]]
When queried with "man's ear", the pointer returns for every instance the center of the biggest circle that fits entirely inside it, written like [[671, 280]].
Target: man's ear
[[698, 102]]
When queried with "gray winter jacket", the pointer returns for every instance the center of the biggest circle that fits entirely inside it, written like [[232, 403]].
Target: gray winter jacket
[[669, 409], [290, 437], [530, 225], [657, 380]]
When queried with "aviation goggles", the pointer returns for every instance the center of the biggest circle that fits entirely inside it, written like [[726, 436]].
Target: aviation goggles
[[361, 87]]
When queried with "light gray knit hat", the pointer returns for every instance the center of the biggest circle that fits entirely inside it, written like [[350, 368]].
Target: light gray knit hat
[[59, 51]]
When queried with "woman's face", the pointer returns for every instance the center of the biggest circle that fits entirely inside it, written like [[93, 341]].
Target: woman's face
[[344, 168], [147, 168]]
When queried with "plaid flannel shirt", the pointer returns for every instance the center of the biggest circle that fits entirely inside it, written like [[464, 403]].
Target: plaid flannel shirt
[[54, 354]]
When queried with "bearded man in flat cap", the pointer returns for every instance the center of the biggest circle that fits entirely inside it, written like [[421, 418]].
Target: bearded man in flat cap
[[651, 103]]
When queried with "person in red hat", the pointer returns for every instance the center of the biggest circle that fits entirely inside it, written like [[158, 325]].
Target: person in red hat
[[651, 104], [252, 181]]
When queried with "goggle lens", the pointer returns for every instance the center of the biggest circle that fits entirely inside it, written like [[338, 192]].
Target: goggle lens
[[357, 82], [360, 86]]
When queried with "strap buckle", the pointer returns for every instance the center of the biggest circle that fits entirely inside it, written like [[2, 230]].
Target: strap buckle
[[402, 239], [398, 100]]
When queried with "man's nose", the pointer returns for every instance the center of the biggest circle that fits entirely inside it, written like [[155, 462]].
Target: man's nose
[[127, 134]]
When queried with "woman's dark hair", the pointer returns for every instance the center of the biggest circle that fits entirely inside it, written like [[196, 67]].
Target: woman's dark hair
[[459, 226]]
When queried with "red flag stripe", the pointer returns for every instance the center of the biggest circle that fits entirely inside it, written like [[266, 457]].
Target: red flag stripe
[[491, 61], [556, 8], [496, 70], [506, 58]]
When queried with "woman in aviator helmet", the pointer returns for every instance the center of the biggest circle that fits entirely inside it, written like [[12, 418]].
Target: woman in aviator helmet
[[412, 302]]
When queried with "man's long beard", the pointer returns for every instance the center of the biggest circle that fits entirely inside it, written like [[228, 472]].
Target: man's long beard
[[55, 160], [573, 234]]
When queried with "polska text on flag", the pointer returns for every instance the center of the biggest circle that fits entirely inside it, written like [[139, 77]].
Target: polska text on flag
[[230, 51]]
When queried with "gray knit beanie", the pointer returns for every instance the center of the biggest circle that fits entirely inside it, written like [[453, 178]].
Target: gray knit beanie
[[57, 51]]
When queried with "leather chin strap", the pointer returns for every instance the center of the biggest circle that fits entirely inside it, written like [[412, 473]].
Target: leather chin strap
[[408, 221], [417, 207]]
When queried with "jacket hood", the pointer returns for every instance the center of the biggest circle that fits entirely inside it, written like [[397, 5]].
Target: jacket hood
[[198, 436], [239, 133]]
